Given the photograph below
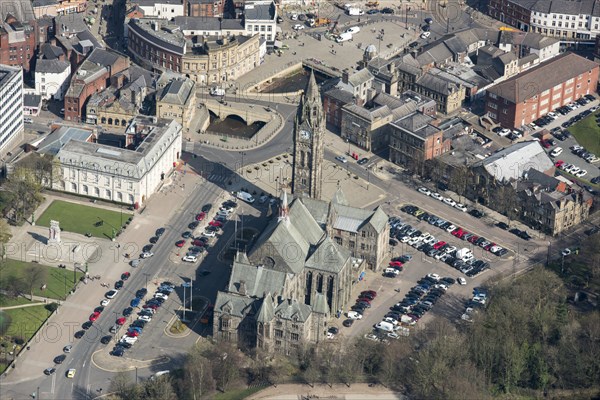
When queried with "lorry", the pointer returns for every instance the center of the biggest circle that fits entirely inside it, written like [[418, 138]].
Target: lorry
[[315, 23], [355, 11], [217, 91], [344, 37], [247, 197]]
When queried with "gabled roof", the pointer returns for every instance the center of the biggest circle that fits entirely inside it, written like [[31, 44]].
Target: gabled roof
[[292, 310], [235, 305], [178, 91], [360, 77], [51, 52], [57, 139], [512, 162], [260, 12], [45, 66], [328, 256], [22, 10], [266, 311], [257, 280]]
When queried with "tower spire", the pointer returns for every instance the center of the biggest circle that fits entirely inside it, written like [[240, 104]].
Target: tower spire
[[312, 89], [284, 209]]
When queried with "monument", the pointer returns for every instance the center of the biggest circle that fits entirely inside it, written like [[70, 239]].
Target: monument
[[54, 236]]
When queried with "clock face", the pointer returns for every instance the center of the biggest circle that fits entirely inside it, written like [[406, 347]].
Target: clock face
[[305, 134]]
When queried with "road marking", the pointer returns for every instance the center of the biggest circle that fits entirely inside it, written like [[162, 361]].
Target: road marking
[[83, 366], [53, 383]]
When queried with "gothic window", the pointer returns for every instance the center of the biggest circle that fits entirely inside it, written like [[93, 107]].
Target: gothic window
[[320, 283], [225, 323], [301, 158]]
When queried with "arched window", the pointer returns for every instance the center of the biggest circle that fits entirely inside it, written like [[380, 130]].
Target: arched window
[[116, 122], [123, 122], [103, 120], [110, 121]]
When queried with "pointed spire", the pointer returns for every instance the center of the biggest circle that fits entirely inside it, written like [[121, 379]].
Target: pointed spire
[[312, 89], [283, 208]]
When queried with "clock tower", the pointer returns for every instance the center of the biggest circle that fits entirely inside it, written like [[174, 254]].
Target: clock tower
[[309, 132]]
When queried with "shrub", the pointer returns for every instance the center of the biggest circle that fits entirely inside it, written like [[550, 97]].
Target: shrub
[[51, 307], [4, 322]]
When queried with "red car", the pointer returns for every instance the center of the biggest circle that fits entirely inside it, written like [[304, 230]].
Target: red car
[[457, 231], [121, 321], [180, 243], [365, 299], [94, 316], [371, 292], [559, 163], [461, 234], [198, 243], [439, 244], [133, 333], [473, 238], [395, 264], [489, 246], [200, 216], [152, 306], [545, 143], [216, 224]]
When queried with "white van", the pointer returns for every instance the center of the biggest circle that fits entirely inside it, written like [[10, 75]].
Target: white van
[[355, 11], [247, 197], [385, 326], [344, 37], [391, 271], [353, 30], [556, 152], [217, 91]]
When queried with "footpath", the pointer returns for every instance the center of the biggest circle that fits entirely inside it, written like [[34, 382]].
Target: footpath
[[356, 391]]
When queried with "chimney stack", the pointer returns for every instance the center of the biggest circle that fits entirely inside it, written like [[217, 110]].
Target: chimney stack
[[345, 76]]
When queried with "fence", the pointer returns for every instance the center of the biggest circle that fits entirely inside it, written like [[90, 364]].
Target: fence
[[260, 138]]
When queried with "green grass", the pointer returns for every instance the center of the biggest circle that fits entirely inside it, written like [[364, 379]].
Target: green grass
[[6, 301], [55, 278], [81, 219], [587, 134], [238, 394], [26, 321]]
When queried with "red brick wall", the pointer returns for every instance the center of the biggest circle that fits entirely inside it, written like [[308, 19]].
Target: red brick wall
[[74, 105], [213, 9], [534, 108], [18, 54], [431, 147], [154, 54], [509, 13], [333, 111]]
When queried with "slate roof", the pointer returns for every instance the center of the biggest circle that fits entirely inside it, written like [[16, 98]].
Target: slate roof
[[318, 209], [70, 23], [572, 7], [286, 244], [106, 58], [235, 305], [339, 197], [266, 311], [51, 66], [340, 95], [32, 100], [360, 77], [260, 12], [178, 91], [436, 84], [320, 304], [546, 75], [436, 54], [328, 256], [512, 162], [351, 219], [50, 52], [418, 124], [20, 9], [61, 136], [292, 310], [257, 280], [208, 23]]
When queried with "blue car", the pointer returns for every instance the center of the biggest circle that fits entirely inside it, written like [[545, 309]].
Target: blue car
[[135, 302]]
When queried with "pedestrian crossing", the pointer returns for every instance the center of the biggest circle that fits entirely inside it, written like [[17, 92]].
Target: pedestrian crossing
[[217, 178], [189, 146]]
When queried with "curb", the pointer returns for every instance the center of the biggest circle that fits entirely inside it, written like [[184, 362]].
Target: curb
[[130, 368]]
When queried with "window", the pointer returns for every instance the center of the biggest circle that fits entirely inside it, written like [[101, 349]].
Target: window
[[225, 323], [278, 333], [107, 181], [364, 233], [295, 337], [493, 106], [351, 244]]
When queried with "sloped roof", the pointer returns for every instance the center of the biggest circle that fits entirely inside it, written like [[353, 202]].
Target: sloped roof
[[320, 304], [436, 54], [266, 311], [51, 66], [106, 58], [328, 256], [178, 91], [260, 12], [512, 162], [257, 280], [340, 95], [339, 197], [61, 136], [22, 10], [292, 310], [436, 84], [286, 244], [50, 52], [32, 100], [360, 77], [545, 76], [379, 220], [235, 305]]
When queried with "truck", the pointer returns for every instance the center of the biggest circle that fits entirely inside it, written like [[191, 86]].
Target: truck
[[247, 197], [315, 23], [217, 91], [344, 37], [355, 11]]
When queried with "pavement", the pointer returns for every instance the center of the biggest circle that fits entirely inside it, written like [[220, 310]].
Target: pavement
[[356, 391]]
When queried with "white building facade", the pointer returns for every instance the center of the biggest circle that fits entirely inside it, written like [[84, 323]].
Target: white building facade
[[52, 78], [573, 19], [120, 175], [260, 17], [167, 9], [11, 107]]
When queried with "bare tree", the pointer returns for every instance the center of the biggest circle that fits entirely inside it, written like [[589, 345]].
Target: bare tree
[[5, 236], [160, 388], [197, 379], [34, 276], [459, 181], [507, 201], [122, 387]]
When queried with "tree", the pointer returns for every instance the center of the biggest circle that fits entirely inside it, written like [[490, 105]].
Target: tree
[[507, 201], [197, 379], [225, 362], [122, 387], [459, 180], [5, 236], [160, 388], [34, 276], [21, 194]]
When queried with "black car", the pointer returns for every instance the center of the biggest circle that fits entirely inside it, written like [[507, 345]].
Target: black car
[[118, 352], [413, 45], [193, 225], [333, 330], [147, 248], [79, 334], [138, 324], [230, 203], [363, 161], [124, 345], [186, 235], [127, 312], [393, 242], [141, 293], [426, 28], [99, 309], [153, 239], [449, 280], [387, 10], [60, 359], [524, 235], [125, 276], [160, 231], [106, 339], [502, 225], [49, 371], [476, 213], [592, 231], [119, 284], [348, 323], [87, 325]]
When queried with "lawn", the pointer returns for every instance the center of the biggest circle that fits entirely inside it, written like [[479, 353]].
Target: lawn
[[587, 134], [6, 301], [238, 394], [83, 219], [58, 281], [26, 321]]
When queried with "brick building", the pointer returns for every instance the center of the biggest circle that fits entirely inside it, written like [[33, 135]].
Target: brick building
[[515, 13], [91, 77], [526, 97], [17, 43], [204, 8]]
